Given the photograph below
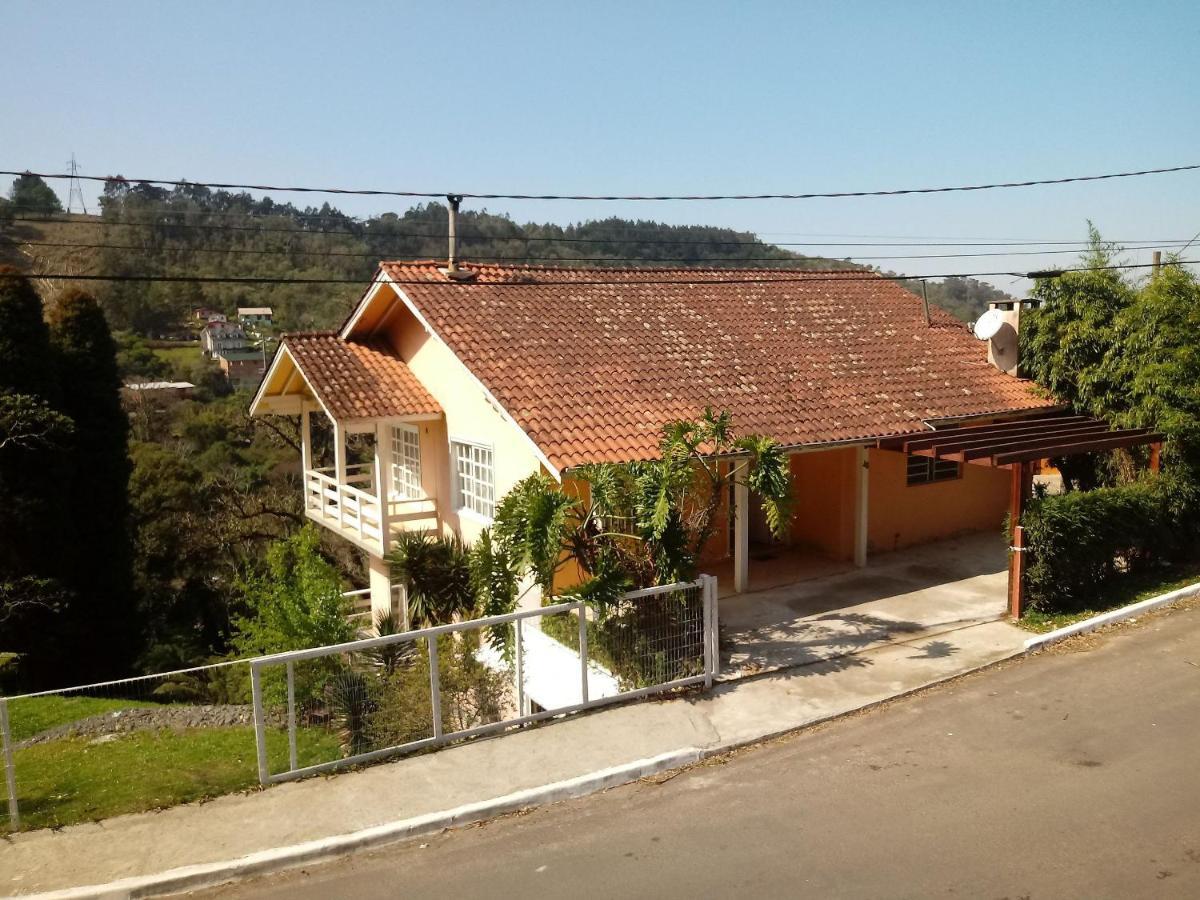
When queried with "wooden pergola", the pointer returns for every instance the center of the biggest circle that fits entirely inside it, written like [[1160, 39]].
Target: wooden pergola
[[1017, 445]]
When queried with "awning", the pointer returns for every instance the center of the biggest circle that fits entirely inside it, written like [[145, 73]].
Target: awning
[[1021, 440]]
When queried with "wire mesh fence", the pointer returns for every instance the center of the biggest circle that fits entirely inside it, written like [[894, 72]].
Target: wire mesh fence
[[90, 752], [86, 753], [367, 699]]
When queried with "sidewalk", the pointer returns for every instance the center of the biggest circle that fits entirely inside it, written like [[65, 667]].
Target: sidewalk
[[733, 714]]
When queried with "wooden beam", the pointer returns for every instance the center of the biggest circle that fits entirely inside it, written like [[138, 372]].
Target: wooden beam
[[980, 449], [982, 432], [1116, 442], [1020, 489]]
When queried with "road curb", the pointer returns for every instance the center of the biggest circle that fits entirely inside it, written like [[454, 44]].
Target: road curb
[[1037, 642], [211, 874]]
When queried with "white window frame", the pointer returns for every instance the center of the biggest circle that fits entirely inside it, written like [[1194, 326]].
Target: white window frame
[[476, 500], [404, 472]]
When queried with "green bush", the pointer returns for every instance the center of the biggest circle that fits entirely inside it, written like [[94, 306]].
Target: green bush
[[1079, 541]]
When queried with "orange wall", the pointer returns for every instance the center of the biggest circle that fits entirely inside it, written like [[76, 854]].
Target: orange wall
[[823, 511], [899, 515]]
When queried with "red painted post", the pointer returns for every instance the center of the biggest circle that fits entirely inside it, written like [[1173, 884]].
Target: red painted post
[[1016, 573], [1022, 488], [1155, 453]]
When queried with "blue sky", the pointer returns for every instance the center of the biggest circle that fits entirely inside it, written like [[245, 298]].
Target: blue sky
[[638, 97]]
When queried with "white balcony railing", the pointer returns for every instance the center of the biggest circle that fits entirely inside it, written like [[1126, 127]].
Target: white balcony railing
[[344, 507], [354, 511]]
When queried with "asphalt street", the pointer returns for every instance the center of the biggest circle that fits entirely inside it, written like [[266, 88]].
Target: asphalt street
[[1073, 773]]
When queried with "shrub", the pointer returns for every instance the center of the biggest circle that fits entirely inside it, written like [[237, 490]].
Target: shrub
[[471, 694], [1079, 541]]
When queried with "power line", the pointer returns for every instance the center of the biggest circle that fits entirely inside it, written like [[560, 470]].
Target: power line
[[827, 195], [764, 276], [441, 235], [367, 254]]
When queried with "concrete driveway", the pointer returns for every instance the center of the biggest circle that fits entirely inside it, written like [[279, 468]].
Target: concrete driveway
[[920, 596]]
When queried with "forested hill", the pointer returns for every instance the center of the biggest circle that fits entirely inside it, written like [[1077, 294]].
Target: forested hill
[[194, 231]]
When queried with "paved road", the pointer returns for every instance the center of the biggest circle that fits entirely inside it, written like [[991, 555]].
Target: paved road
[[1072, 774]]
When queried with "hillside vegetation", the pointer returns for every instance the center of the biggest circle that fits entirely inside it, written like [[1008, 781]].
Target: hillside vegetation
[[194, 231]]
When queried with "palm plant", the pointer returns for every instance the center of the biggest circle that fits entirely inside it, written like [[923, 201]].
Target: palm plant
[[437, 574]]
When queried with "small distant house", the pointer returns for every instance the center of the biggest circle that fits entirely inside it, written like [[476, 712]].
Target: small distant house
[[255, 316], [204, 314], [218, 337], [242, 367]]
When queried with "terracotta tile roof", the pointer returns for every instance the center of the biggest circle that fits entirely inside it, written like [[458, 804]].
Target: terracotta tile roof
[[591, 371], [358, 380]]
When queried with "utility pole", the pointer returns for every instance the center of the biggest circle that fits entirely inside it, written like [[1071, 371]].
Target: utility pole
[[75, 189], [1157, 263]]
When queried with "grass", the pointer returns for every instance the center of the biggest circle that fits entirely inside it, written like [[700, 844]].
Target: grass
[[77, 780], [1127, 590], [185, 356]]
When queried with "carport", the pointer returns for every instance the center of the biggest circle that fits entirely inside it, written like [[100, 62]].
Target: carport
[[1016, 445]]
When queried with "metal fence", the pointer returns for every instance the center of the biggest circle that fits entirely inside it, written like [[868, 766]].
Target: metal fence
[[93, 751], [357, 702], [88, 752]]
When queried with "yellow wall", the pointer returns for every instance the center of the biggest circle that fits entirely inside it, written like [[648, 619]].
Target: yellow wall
[[470, 416], [899, 515], [823, 511]]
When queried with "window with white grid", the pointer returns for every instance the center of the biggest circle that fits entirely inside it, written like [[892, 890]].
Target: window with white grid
[[406, 462], [474, 478]]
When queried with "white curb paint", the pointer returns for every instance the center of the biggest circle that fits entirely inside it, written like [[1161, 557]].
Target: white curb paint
[[1037, 642], [211, 874]]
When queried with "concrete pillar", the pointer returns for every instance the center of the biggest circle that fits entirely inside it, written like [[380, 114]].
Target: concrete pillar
[[862, 473], [381, 585], [741, 537]]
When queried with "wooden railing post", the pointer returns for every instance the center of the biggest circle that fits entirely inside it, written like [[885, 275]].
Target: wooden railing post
[[1016, 573]]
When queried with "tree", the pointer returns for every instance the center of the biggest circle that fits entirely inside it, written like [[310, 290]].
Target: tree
[[100, 564], [1122, 351], [30, 194], [33, 510], [294, 600]]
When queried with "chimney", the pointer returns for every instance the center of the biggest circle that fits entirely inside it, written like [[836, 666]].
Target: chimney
[[452, 270]]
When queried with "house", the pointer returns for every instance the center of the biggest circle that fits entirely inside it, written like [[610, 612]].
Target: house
[[243, 367], [446, 386], [219, 336], [255, 318], [204, 314]]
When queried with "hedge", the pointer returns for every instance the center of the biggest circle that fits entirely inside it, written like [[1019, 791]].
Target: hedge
[[1081, 540]]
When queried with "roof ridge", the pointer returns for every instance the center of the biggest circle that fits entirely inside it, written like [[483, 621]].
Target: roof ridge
[[307, 334], [533, 267]]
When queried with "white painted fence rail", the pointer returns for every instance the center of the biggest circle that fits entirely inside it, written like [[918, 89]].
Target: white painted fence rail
[[655, 640], [449, 680]]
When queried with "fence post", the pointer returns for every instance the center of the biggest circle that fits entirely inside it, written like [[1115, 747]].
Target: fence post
[[435, 686], [715, 632], [260, 729], [583, 652], [291, 691], [14, 813], [706, 596], [520, 667]]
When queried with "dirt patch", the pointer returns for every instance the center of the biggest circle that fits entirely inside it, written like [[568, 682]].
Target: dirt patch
[[154, 718]]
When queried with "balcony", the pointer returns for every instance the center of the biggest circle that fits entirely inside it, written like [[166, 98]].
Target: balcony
[[353, 508]]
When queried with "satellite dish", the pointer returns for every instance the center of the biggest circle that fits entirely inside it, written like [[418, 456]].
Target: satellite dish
[[988, 324]]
